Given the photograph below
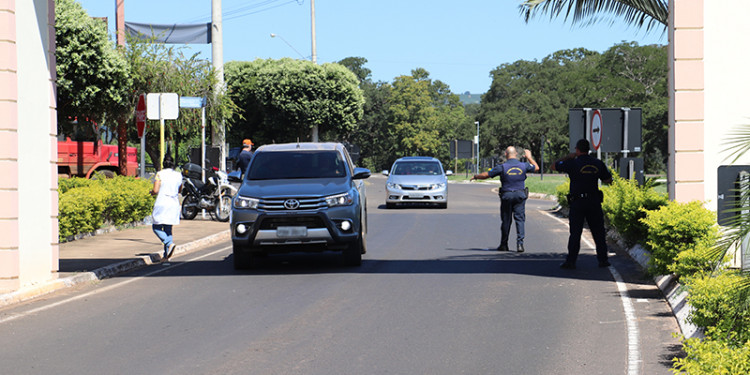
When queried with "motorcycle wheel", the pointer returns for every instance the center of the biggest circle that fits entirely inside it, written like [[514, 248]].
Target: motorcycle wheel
[[189, 207], [224, 207]]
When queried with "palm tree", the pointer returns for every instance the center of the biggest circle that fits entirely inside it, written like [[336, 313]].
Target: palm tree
[[640, 13]]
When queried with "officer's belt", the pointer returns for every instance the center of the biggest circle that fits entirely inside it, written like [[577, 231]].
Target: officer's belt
[[575, 197]]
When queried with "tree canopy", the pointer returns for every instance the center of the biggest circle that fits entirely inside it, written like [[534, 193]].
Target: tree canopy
[[93, 79], [529, 99], [281, 100]]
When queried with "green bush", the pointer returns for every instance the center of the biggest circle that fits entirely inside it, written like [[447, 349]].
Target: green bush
[[561, 191], [696, 260], [675, 228], [625, 204], [81, 210], [129, 199], [719, 306], [704, 357], [87, 205], [65, 184]]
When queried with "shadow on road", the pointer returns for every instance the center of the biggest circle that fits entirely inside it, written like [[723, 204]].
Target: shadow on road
[[530, 264]]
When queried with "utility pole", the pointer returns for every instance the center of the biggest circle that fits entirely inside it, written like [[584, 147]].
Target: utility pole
[[122, 125], [314, 56], [217, 60], [477, 123]]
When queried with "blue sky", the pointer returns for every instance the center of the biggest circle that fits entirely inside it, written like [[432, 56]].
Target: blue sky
[[458, 42]]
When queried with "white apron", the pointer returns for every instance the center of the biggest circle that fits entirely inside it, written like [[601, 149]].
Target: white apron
[[167, 205]]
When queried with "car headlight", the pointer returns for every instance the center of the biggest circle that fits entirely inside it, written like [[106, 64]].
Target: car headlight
[[437, 186], [391, 185], [339, 200], [246, 203]]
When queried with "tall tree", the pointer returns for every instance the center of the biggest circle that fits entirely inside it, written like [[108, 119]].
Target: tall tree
[[281, 100], [425, 116], [93, 81], [648, 13]]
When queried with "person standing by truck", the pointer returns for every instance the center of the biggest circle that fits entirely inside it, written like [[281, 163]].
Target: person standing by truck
[[166, 211], [243, 160]]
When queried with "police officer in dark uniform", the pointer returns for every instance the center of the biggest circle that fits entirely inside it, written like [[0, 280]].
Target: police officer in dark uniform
[[585, 201], [513, 194]]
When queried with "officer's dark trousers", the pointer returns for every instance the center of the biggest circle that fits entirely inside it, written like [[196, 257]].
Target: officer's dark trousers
[[590, 210], [512, 207]]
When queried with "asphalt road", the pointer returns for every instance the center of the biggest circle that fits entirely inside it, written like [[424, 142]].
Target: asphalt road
[[432, 297]]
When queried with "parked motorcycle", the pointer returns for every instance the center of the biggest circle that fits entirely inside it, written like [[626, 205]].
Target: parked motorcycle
[[214, 196]]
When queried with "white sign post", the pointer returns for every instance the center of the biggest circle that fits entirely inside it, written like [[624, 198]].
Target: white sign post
[[162, 106]]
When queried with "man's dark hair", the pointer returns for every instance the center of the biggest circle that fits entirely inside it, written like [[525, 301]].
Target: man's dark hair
[[168, 162], [583, 146]]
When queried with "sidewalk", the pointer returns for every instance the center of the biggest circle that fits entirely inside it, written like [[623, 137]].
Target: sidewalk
[[106, 255]]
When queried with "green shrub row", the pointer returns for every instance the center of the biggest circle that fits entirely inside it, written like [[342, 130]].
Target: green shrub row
[[87, 205], [625, 204], [682, 239]]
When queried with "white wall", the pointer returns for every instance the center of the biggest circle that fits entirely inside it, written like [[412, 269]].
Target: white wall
[[35, 148], [727, 83]]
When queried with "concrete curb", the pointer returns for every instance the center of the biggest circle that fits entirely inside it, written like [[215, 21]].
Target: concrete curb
[[31, 292], [675, 293]]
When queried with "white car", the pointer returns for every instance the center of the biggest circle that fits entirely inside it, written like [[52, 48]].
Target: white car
[[417, 179]]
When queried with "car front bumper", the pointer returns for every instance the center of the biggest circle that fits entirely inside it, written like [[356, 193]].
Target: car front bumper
[[395, 195]]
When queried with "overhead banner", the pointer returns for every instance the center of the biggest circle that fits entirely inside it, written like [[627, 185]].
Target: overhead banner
[[173, 34]]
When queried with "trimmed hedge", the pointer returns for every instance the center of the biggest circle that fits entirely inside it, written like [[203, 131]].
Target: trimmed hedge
[[708, 357], [677, 228], [87, 205], [625, 204]]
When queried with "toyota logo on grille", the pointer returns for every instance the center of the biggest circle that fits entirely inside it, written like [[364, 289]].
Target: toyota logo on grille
[[291, 204]]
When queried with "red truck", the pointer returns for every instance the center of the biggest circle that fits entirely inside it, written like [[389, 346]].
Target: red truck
[[82, 159]]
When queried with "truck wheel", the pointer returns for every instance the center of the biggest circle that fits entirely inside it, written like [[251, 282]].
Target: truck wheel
[[103, 173], [189, 207], [242, 259], [352, 255]]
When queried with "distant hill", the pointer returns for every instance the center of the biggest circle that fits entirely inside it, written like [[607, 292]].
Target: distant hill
[[469, 98]]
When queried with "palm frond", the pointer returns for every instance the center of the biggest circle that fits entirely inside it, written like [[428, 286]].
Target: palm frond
[[640, 13], [738, 142]]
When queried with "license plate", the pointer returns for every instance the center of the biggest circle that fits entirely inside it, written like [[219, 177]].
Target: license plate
[[291, 232], [416, 196]]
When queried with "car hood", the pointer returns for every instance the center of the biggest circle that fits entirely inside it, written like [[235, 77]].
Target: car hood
[[416, 179], [308, 187]]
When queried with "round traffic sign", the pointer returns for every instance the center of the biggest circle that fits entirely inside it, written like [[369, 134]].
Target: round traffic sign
[[597, 127]]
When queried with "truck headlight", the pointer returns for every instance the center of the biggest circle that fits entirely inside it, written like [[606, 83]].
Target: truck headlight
[[339, 200], [245, 203]]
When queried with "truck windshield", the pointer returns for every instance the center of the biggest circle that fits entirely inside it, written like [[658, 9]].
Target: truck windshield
[[271, 165]]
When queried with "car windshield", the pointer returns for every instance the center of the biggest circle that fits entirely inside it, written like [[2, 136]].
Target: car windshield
[[276, 165], [426, 168]]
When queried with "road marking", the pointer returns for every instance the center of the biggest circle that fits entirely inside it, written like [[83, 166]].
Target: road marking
[[107, 288], [634, 351]]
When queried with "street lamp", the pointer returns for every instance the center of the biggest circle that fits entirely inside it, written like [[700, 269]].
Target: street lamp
[[287, 43], [477, 123]]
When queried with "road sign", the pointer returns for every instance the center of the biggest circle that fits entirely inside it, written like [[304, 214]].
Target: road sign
[[597, 127], [192, 102], [140, 115], [162, 106]]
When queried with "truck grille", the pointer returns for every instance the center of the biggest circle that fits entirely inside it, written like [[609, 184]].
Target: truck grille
[[285, 204]]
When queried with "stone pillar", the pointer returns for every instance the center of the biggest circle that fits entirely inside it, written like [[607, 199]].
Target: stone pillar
[[28, 147]]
